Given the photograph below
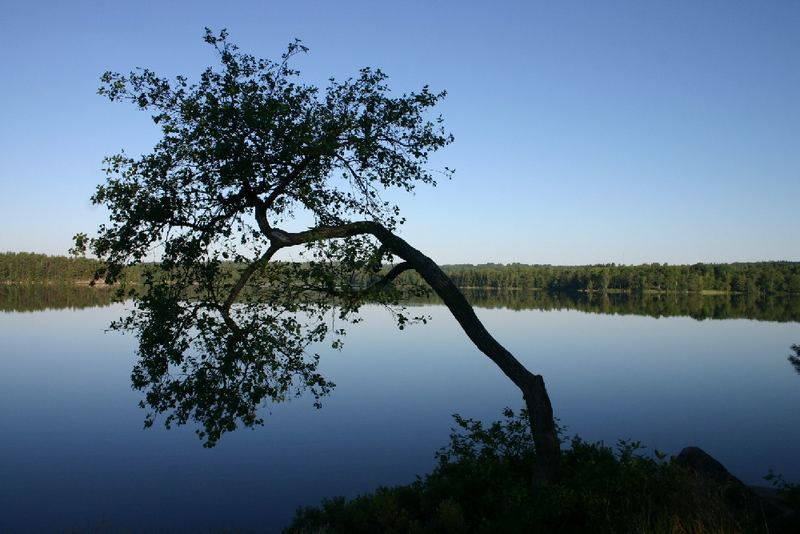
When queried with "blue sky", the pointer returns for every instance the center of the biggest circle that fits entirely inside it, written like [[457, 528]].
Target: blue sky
[[586, 132]]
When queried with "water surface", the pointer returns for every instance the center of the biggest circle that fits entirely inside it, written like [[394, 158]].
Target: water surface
[[74, 454]]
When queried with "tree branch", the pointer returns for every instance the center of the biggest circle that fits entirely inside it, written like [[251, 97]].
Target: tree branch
[[261, 206], [385, 280], [376, 287], [540, 410], [289, 178], [432, 274], [245, 276]]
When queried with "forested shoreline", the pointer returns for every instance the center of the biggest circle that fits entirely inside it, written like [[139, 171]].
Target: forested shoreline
[[760, 277], [29, 267], [37, 297], [763, 278]]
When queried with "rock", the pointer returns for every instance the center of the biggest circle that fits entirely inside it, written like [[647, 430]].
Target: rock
[[759, 502], [703, 465]]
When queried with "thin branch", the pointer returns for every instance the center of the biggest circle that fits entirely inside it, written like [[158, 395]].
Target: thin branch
[[385, 280], [374, 263], [245, 276], [288, 179], [376, 287]]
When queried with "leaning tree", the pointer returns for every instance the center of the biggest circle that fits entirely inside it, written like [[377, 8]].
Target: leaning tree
[[224, 326]]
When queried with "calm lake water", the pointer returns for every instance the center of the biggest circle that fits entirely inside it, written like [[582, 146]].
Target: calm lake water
[[75, 456]]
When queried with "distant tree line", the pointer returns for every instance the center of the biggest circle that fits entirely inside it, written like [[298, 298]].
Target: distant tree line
[[764, 278], [27, 267]]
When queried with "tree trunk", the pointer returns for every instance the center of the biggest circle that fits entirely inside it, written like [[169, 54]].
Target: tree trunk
[[543, 428], [540, 411], [537, 401]]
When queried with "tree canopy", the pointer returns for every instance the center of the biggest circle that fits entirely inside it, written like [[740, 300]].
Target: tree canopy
[[245, 150]]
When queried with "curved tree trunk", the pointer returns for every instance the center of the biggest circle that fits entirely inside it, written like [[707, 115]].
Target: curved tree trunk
[[537, 401]]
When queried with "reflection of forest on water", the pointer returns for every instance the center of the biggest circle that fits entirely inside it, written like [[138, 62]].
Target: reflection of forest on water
[[695, 305], [33, 297], [38, 297]]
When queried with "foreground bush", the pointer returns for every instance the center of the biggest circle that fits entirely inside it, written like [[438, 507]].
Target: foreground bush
[[482, 484]]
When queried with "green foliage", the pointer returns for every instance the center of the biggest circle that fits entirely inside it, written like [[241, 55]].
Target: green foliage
[[756, 280], [222, 328], [28, 267], [789, 491], [482, 484], [252, 131], [508, 438]]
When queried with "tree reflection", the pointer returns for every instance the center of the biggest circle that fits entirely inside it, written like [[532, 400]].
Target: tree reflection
[[40, 297], [697, 306], [794, 359], [36, 297]]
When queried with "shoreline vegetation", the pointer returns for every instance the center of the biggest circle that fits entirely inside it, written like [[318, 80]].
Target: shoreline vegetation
[[28, 297], [30, 282], [481, 484], [751, 278]]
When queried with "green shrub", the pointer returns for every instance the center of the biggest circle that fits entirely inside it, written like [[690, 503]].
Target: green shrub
[[482, 484]]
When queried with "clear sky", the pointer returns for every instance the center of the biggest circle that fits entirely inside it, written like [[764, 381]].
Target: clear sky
[[586, 132]]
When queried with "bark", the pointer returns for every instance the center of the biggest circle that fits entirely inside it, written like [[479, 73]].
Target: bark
[[540, 411], [532, 386]]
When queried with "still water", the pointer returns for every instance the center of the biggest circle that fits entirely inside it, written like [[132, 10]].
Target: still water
[[73, 454]]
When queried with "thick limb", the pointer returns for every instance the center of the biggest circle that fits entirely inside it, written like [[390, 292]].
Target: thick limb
[[532, 386]]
